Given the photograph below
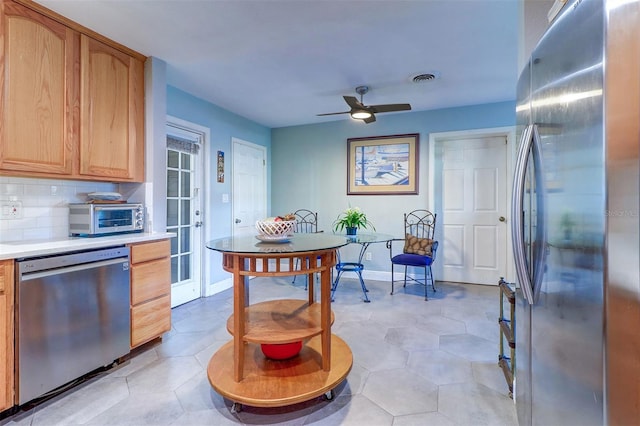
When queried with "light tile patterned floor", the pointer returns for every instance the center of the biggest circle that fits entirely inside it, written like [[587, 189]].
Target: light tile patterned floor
[[415, 363]]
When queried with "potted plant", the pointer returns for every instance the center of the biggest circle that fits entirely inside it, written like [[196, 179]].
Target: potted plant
[[352, 219]]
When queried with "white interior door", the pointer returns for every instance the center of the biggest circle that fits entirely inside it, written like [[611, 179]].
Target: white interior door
[[249, 186], [184, 211], [474, 200]]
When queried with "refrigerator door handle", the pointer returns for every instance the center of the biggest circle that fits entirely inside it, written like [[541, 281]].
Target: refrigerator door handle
[[517, 228], [540, 248]]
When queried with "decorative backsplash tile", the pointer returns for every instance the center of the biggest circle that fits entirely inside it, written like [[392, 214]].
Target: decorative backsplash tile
[[44, 206]]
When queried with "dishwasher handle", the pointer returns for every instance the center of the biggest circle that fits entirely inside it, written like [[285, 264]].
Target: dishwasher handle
[[27, 276]]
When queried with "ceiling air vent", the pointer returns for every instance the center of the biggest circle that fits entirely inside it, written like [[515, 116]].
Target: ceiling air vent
[[421, 78]]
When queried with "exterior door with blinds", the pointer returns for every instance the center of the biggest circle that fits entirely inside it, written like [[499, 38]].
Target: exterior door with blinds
[[184, 213]]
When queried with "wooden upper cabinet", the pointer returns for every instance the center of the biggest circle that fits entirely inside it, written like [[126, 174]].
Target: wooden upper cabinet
[[71, 100], [111, 113], [39, 95]]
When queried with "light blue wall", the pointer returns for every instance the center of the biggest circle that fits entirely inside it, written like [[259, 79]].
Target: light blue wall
[[309, 165], [223, 126]]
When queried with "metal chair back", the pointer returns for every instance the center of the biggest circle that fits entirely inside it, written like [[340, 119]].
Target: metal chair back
[[420, 223], [306, 221]]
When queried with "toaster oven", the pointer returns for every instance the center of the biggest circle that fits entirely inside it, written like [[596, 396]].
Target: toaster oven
[[94, 220]]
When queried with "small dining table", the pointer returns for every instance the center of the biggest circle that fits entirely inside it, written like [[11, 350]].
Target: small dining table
[[239, 370], [365, 239]]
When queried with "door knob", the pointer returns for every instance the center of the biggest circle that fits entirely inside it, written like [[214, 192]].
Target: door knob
[[198, 224], [238, 221], [502, 219]]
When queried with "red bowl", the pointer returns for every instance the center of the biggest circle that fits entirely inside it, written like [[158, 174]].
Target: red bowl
[[281, 351]]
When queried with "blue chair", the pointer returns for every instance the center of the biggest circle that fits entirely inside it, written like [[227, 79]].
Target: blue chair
[[419, 248]]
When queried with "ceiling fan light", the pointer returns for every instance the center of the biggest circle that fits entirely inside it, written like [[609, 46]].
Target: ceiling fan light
[[360, 114]]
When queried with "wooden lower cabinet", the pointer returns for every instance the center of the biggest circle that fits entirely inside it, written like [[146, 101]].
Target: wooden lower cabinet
[[150, 291], [150, 320], [6, 335]]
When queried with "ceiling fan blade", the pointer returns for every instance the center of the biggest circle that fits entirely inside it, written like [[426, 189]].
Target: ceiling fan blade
[[370, 119], [390, 107], [334, 113], [353, 102]]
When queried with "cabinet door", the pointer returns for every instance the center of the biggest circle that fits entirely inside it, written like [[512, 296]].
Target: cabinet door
[[150, 290], [6, 334], [150, 280], [39, 93], [149, 251], [149, 320], [111, 113]]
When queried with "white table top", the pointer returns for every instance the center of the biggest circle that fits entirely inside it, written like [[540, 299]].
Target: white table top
[[19, 249]]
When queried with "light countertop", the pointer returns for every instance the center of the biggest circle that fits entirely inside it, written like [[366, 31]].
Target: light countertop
[[19, 249]]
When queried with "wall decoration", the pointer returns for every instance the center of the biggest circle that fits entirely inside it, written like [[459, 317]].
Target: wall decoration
[[220, 172], [383, 165]]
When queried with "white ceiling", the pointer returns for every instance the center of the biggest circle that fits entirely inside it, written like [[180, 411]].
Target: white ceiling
[[281, 62]]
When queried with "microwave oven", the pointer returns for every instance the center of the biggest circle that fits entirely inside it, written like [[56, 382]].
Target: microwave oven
[[94, 220]]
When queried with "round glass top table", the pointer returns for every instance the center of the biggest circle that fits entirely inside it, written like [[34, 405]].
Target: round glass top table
[[240, 370], [296, 243], [368, 237]]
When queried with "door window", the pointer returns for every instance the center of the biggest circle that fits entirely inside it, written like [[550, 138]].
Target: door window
[[184, 217]]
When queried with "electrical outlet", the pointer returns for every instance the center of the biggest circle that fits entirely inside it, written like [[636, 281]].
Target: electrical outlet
[[11, 210], [368, 256]]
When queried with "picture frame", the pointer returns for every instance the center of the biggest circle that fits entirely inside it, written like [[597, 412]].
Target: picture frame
[[220, 167], [383, 165]]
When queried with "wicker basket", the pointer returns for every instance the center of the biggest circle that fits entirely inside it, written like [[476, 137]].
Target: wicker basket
[[273, 228]]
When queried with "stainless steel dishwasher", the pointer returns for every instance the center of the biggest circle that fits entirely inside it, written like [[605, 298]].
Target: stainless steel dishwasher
[[73, 317]]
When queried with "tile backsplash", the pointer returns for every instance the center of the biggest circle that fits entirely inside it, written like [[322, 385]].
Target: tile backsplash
[[44, 206]]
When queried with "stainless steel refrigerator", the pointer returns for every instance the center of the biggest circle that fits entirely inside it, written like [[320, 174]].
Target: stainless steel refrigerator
[[575, 220]]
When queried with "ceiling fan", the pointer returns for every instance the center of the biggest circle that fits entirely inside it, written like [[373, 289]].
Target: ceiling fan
[[360, 111]]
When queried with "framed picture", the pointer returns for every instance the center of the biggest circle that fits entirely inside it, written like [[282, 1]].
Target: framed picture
[[220, 172], [383, 165]]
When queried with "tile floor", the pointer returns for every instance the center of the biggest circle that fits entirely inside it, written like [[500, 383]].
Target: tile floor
[[415, 363]]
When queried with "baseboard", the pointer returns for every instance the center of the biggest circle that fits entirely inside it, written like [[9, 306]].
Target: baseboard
[[374, 275], [383, 275], [218, 287]]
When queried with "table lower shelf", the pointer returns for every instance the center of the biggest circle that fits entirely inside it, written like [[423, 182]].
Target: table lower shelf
[[271, 383]]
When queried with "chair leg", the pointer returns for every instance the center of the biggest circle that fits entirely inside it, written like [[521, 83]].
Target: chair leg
[[405, 277], [295, 266], [433, 282], [426, 280], [392, 278]]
